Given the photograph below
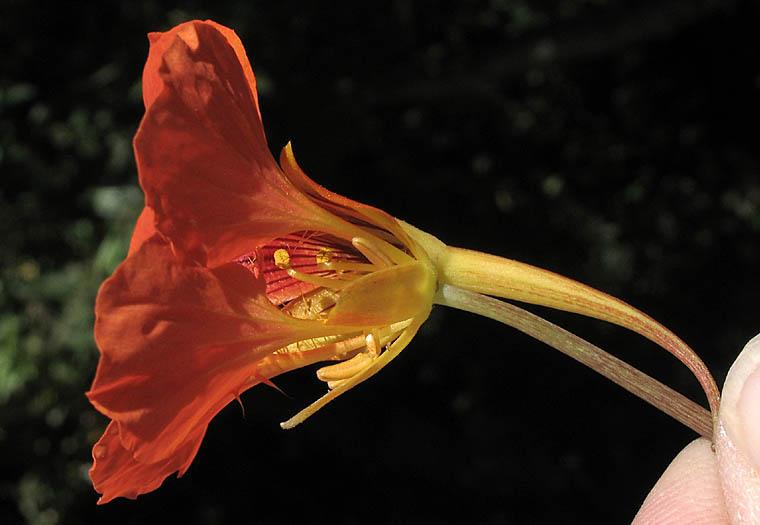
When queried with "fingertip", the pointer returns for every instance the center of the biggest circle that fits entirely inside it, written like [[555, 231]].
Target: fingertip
[[740, 405], [737, 440], [740, 481], [688, 491]]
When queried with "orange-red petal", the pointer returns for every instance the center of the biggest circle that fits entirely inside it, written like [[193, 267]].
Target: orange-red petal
[[144, 229], [355, 212], [337, 203], [202, 156], [115, 472], [178, 342], [152, 84]]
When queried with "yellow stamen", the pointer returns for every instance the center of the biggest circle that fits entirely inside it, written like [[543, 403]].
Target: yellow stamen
[[334, 375], [325, 282], [345, 369], [282, 258], [380, 252], [386, 357], [372, 252], [306, 345], [309, 351], [347, 267], [312, 305], [324, 256]]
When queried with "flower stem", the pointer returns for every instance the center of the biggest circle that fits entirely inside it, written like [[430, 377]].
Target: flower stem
[[509, 279], [647, 388]]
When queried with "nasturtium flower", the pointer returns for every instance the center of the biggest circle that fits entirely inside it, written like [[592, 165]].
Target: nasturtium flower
[[240, 269]]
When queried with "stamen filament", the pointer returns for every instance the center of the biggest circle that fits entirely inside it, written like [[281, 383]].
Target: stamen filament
[[372, 252], [380, 252], [290, 357], [393, 329], [312, 305], [342, 344], [386, 357], [324, 282], [348, 267], [344, 369]]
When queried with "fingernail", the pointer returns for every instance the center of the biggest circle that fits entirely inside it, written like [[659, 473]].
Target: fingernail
[[740, 405]]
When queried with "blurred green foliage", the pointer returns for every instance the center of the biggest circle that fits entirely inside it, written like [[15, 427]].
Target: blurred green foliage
[[613, 141], [68, 201]]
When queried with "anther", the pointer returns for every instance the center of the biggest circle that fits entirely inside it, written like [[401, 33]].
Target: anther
[[336, 374], [324, 255], [282, 258], [345, 369]]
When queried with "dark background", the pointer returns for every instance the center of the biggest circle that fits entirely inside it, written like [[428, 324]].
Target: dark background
[[611, 141]]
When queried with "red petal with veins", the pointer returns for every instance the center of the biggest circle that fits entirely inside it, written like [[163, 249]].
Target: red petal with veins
[[203, 160], [179, 342], [303, 250]]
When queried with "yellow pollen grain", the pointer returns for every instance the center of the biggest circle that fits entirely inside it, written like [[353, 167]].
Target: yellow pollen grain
[[282, 258], [324, 255]]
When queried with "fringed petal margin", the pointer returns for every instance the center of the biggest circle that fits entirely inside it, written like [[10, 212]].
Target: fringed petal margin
[[115, 473]]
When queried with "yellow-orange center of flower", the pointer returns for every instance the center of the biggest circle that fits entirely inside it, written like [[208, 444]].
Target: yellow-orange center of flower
[[285, 261], [316, 276]]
